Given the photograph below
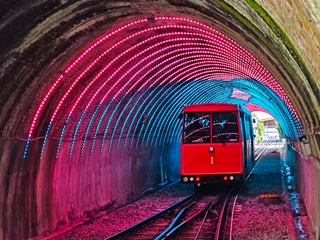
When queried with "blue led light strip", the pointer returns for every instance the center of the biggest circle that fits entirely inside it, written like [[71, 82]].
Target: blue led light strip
[[169, 77], [159, 103], [160, 93], [131, 111], [61, 135], [194, 75], [99, 124], [206, 91], [175, 107], [76, 131], [88, 128], [118, 121], [182, 59], [171, 52], [196, 91], [45, 139], [108, 124]]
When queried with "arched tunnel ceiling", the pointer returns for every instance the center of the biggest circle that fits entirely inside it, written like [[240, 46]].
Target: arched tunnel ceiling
[[134, 80], [124, 78]]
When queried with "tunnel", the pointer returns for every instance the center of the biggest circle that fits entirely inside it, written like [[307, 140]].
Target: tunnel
[[91, 93]]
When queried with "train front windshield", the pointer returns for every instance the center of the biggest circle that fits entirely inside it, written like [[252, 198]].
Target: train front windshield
[[196, 127], [224, 127], [223, 124]]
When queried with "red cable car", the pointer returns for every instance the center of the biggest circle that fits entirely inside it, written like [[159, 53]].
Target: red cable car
[[217, 143]]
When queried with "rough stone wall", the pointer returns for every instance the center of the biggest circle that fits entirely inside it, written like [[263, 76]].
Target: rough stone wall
[[300, 19], [307, 174]]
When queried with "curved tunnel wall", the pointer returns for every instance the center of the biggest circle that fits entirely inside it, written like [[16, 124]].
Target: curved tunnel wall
[[106, 113]]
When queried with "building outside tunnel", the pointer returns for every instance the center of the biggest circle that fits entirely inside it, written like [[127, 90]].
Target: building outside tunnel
[[91, 92]]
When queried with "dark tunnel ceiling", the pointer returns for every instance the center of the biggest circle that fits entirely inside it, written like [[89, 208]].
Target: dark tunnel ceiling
[[129, 86]]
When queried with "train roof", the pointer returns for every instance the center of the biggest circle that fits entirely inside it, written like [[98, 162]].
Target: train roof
[[212, 107]]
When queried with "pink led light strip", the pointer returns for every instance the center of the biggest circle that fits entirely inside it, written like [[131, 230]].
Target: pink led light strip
[[95, 61], [278, 89], [82, 94], [60, 104], [88, 50]]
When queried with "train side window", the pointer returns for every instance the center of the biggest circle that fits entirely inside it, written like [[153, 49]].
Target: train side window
[[224, 127], [196, 128]]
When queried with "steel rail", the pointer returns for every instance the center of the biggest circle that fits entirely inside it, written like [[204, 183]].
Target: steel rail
[[203, 220], [174, 221], [145, 221], [207, 208], [169, 232]]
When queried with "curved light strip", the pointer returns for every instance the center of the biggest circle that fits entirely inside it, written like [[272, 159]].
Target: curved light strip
[[160, 102], [260, 99], [174, 101], [175, 56], [155, 57], [176, 126], [141, 69], [175, 68], [198, 94], [210, 91], [68, 69], [131, 69]]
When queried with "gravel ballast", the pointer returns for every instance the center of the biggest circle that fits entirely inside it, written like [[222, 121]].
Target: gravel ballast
[[264, 210]]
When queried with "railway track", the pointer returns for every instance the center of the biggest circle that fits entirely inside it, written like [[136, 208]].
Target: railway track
[[151, 227], [201, 215], [233, 208], [202, 222], [259, 150], [197, 217]]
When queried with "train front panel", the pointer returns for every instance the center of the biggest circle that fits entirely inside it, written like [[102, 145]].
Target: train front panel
[[209, 163], [211, 146]]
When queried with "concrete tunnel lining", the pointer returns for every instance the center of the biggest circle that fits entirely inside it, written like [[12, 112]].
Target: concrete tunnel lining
[[69, 28]]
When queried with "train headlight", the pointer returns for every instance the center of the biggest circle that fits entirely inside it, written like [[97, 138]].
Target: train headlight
[[185, 179], [191, 179], [211, 149], [231, 178]]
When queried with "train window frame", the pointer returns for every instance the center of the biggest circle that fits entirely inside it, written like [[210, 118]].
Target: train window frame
[[218, 127], [196, 133]]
